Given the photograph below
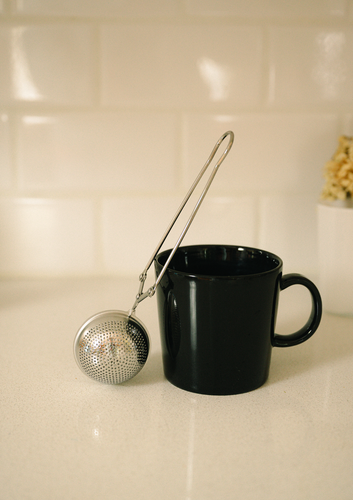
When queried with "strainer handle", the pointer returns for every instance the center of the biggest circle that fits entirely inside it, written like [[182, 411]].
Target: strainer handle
[[150, 292]]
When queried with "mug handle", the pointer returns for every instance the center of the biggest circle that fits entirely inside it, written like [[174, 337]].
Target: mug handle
[[315, 316]]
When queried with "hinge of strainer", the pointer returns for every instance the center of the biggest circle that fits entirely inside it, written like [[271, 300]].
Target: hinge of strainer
[[143, 276]]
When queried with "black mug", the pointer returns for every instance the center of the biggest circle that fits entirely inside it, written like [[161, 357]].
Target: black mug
[[217, 307]]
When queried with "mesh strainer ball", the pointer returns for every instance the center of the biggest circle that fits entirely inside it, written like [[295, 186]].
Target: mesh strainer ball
[[112, 346]]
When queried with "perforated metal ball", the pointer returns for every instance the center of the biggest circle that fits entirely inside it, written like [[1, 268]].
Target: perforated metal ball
[[111, 347]]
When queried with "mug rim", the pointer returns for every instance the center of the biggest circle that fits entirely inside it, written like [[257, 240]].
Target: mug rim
[[219, 277]]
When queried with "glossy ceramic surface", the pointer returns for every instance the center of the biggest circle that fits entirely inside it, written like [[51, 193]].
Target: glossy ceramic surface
[[217, 313]]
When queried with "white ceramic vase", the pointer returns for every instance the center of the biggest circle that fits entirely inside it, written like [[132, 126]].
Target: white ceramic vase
[[335, 240]]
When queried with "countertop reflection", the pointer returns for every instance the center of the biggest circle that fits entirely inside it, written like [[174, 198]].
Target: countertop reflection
[[66, 436]]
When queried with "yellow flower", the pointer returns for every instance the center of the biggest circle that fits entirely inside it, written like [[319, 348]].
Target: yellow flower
[[338, 172]]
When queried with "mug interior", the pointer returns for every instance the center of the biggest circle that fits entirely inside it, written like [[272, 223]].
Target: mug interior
[[220, 261]]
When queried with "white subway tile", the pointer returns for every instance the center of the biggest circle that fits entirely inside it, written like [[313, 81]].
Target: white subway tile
[[5, 164], [268, 8], [131, 230], [311, 65], [288, 228], [111, 151], [132, 227], [94, 8], [271, 152], [163, 65], [46, 237], [46, 63], [225, 220], [347, 127]]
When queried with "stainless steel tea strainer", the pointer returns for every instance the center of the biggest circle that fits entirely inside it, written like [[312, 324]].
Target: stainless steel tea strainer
[[112, 346]]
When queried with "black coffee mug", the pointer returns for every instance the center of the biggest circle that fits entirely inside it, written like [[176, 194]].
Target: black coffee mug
[[217, 308]]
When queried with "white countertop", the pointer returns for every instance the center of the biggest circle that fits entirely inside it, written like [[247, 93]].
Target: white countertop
[[64, 436]]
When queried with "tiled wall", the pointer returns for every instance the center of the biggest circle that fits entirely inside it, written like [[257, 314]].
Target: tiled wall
[[108, 109]]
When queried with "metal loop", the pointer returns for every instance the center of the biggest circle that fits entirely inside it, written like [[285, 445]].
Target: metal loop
[[141, 296]]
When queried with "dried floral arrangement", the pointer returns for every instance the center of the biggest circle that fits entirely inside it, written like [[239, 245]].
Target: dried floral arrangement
[[338, 172]]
